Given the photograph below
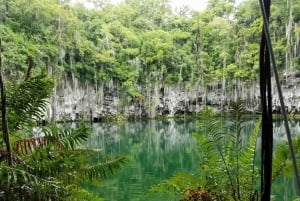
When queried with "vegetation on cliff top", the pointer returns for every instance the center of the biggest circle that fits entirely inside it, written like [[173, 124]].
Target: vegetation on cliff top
[[138, 43]]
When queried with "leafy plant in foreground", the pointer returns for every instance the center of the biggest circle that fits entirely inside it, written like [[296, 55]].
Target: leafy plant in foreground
[[227, 171], [282, 162], [229, 168], [52, 165]]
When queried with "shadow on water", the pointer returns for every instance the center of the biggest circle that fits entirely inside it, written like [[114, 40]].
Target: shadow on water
[[159, 149]]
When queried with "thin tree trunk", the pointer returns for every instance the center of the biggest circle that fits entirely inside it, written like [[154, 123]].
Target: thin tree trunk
[[223, 96], [289, 50], [4, 114]]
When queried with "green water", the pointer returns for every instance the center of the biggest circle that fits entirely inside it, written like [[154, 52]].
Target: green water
[[157, 150]]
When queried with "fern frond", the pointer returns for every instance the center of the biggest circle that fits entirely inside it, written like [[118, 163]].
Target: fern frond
[[27, 100], [68, 138], [16, 179], [54, 136], [100, 170], [248, 155], [229, 152], [213, 140], [248, 172], [237, 107], [55, 154], [26, 146], [282, 163]]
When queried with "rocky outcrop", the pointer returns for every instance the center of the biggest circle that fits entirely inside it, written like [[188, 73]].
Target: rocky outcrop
[[291, 93], [76, 100]]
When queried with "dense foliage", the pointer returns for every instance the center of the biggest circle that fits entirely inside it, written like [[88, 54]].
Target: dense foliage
[[140, 43], [132, 44], [229, 162], [50, 163]]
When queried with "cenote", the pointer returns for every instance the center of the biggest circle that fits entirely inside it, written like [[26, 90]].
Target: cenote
[[157, 149]]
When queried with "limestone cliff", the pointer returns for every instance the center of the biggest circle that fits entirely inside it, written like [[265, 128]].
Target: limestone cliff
[[76, 100]]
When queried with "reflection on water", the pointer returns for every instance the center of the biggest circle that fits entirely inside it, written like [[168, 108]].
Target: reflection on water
[[279, 130], [157, 150]]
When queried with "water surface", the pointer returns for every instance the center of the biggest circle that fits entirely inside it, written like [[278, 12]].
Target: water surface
[[157, 149]]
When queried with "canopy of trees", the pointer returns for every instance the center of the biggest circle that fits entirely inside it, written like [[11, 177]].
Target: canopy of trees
[[140, 42]]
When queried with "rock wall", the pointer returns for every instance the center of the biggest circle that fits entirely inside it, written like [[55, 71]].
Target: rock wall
[[76, 100]]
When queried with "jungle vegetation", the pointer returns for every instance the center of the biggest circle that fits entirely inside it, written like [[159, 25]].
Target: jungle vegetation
[[52, 162], [47, 162], [141, 43], [134, 43], [230, 166]]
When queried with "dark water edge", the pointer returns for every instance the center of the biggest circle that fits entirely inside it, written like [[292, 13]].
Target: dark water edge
[[158, 149]]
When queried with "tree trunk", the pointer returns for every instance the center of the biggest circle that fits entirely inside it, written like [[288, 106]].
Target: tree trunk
[[289, 49], [4, 114], [223, 95]]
